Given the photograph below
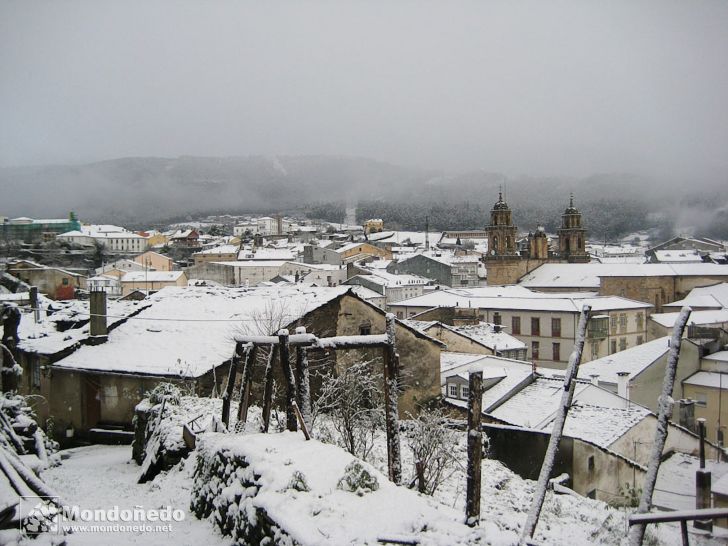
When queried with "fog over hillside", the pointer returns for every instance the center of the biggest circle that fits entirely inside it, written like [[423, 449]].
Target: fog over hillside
[[147, 190]]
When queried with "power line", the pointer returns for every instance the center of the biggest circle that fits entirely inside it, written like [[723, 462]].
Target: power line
[[88, 314]]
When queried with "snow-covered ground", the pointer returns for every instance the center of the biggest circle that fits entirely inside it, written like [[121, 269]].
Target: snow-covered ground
[[100, 477]]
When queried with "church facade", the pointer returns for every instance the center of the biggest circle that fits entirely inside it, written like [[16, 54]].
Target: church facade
[[506, 262]]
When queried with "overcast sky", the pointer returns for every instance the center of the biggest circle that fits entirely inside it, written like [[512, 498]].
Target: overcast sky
[[542, 88]]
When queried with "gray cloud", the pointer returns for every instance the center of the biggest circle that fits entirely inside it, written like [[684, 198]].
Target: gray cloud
[[542, 88]]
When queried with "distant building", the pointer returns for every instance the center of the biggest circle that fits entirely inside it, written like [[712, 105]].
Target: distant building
[[374, 225], [29, 230], [56, 283], [151, 281], [545, 322], [442, 267], [655, 283]]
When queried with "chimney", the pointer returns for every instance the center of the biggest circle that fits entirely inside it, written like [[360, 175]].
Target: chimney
[[703, 482], [623, 384], [98, 328], [594, 379], [34, 303], [687, 414]]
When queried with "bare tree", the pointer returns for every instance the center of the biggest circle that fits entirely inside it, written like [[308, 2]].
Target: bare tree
[[432, 444], [353, 402]]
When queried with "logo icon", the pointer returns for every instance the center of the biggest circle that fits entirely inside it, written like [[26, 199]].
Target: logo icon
[[39, 515]]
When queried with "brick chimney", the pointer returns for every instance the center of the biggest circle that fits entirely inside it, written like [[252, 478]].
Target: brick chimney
[[98, 328]]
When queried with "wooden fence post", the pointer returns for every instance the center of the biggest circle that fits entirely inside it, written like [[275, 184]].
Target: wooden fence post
[[250, 354], [475, 449], [303, 382], [665, 402], [228, 395], [391, 402], [268, 388], [567, 396], [290, 381]]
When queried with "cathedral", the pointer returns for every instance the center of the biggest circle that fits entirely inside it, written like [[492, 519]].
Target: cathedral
[[507, 261]]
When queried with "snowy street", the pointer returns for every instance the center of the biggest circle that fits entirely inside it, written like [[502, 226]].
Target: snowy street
[[100, 477]]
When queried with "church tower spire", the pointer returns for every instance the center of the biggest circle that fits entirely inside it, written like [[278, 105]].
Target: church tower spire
[[572, 235], [501, 232]]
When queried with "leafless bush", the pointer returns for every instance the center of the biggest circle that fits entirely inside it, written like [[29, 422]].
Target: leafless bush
[[353, 403], [433, 450]]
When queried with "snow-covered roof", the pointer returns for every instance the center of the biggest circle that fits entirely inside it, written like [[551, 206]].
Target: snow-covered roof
[[510, 374], [633, 361], [719, 487], [222, 249], [696, 317], [518, 297], [391, 280], [603, 418], [587, 275], [252, 263], [367, 294], [486, 335], [399, 237], [152, 276], [267, 254], [450, 360], [677, 256], [599, 425], [44, 337], [188, 331], [675, 486], [707, 296], [421, 325], [720, 356], [714, 380]]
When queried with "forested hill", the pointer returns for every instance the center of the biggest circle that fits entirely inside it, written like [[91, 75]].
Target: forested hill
[[139, 190]]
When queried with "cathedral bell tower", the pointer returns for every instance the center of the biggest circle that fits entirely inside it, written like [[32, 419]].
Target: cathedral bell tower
[[501, 232], [572, 236]]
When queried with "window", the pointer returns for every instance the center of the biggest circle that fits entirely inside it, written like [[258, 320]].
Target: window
[[613, 324], [465, 391], [640, 319], [640, 340], [65, 281], [592, 494], [613, 346], [622, 343], [365, 328], [594, 349], [497, 319], [453, 390], [535, 326], [516, 325], [622, 322], [556, 349], [400, 315], [555, 327], [590, 464], [534, 350], [36, 374]]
